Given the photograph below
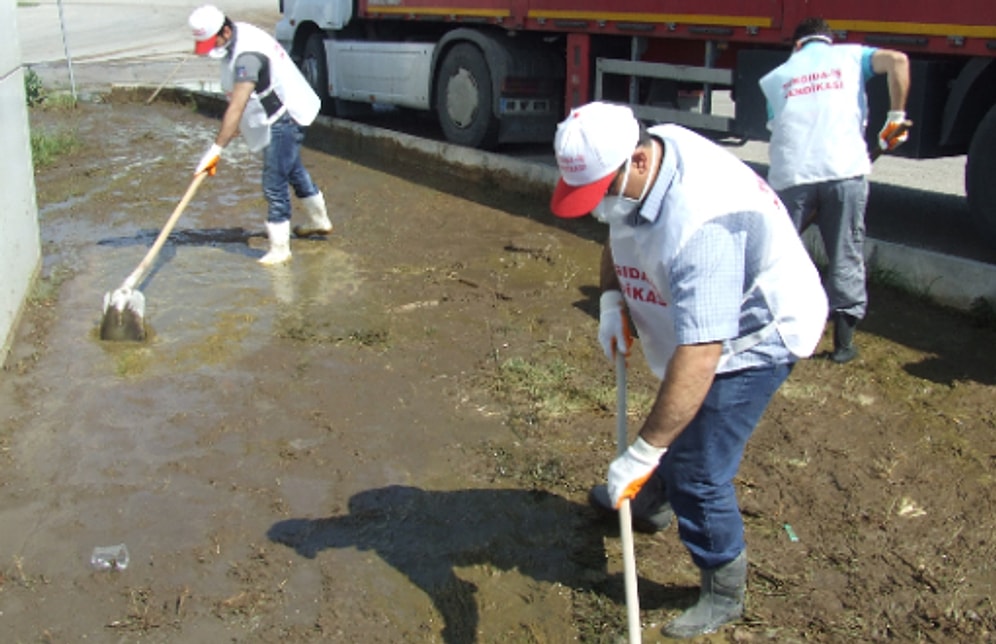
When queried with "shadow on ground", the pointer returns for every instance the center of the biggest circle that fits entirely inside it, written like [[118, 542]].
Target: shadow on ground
[[427, 535]]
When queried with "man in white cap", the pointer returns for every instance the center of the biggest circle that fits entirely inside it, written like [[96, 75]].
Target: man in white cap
[[270, 102], [817, 113], [704, 258]]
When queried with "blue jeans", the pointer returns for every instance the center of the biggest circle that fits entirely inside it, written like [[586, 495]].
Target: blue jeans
[[698, 468], [282, 168]]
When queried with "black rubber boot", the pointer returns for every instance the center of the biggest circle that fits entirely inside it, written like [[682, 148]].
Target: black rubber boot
[[843, 338], [721, 600], [650, 510]]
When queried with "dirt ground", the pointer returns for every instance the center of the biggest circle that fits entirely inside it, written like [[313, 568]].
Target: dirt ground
[[391, 438]]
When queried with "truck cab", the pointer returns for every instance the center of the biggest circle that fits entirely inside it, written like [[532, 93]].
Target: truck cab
[[486, 85]]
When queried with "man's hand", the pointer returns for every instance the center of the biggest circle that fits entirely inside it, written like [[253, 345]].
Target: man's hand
[[630, 471], [209, 162], [895, 131], [613, 331]]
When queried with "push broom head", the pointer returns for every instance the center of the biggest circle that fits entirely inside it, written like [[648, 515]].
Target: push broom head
[[124, 316], [124, 309]]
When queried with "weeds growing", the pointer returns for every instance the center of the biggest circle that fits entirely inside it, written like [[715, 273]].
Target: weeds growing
[[46, 148]]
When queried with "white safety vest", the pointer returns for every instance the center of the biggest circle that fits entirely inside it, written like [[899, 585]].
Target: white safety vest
[[288, 92], [709, 183], [819, 111]]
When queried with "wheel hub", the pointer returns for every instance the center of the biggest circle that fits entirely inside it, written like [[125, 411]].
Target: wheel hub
[[461, 98]]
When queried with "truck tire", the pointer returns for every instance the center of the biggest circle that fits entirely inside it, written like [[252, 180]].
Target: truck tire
[[314, 67], [980, 176], [464, 98]]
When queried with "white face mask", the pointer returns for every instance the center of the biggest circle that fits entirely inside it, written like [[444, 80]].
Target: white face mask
[[220, 52], [615, 209]]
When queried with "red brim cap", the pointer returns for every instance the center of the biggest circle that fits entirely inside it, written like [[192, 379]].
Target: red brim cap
[[570, 202], [202, 47]]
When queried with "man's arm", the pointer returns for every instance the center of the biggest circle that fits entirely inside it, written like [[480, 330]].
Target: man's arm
[[237, 102], [896, 66], [233, 113], [689, 376]]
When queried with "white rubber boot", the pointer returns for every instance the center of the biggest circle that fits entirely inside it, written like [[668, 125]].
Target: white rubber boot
[[316, 217], [279, 235]]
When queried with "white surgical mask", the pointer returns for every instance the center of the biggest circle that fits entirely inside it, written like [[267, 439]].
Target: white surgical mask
[[615, 209], [220, 52]]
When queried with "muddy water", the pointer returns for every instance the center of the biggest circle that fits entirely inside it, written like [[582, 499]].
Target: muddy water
[[294, 450], [391, 438]]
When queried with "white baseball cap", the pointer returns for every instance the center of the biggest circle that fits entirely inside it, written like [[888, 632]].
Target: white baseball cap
[[591, 144], [205, 23]]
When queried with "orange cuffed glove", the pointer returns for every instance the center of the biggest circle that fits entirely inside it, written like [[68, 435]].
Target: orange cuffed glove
[[631, 469], [895, 131], [209, 162]]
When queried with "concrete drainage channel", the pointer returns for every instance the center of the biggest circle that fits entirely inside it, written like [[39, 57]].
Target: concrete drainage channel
[[948, 280]]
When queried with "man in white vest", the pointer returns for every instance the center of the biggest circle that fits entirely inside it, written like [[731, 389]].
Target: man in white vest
[[817, 114], [704, 259], [270, 102]]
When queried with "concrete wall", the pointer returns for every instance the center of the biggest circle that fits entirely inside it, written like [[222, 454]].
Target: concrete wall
[[20, 248]]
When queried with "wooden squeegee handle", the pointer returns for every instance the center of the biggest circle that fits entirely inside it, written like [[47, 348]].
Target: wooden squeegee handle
[[625, 511], [150, 256]]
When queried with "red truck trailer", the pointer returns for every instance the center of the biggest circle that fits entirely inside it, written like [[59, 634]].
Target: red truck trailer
[[496, 71]]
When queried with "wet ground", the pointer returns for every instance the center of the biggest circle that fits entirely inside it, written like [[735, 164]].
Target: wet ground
[[391, 438]]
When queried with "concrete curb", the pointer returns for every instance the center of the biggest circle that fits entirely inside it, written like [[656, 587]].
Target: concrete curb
[[951, 281], [530, 176], [948, 280]]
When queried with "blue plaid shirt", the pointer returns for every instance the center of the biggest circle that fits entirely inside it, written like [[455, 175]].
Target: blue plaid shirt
[[712, 278]]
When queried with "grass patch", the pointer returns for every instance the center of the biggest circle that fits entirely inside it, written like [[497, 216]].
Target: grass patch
[[896, 281], [45, 290], [34, 92], [553, 389], [46, 148], [60, 101], [545, 386]]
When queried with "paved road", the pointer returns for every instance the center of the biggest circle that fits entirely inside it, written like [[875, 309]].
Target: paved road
[[917, 203], [121, 41], [116, 30]]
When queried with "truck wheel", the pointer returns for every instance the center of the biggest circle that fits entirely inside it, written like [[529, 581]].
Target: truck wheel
[[979, 173], [464, 99], [314, 67]]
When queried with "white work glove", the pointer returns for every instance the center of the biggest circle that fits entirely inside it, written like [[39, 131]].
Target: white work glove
[[613, 331], [209, 162], [894, 133], [630, 471]]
